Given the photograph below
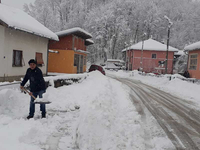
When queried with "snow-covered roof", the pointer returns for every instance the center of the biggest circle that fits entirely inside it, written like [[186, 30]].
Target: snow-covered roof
[[18, 19], [150, 44], [82, 51], [180, 52], [89, 42], [115, 60], [194, 46], [76, 31], [53, 51]]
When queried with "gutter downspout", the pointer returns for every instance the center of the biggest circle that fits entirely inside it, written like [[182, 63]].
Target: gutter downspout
[[47, 58]]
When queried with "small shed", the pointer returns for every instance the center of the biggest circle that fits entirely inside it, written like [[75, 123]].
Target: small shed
[[149, 56], [193, 65], [68, 55], [21, 38]]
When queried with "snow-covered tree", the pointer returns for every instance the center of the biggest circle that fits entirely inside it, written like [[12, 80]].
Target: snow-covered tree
[[116, 24]]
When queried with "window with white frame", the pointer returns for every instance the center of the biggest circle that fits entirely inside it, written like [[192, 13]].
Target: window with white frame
[[193, 61]]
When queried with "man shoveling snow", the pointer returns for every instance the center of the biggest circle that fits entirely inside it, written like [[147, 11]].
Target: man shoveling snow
[[37, 87]]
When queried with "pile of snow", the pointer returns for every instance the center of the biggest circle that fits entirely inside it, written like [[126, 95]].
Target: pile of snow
[[95, 114], [108, 119], [63, 76], [18, 19]]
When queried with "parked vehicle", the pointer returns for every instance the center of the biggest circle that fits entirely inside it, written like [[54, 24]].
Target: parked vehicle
[[96, 67]]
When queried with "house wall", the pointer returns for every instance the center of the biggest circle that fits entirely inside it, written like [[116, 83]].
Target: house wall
[[79, 43], [26, 42], [69, 42], [63, 62], [2, 30], [195, 73], [64, 43], [149, 64]]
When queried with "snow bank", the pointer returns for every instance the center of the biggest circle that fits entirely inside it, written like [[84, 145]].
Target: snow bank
[[64, 76], [94, 114], [108, 119], [176, 86]]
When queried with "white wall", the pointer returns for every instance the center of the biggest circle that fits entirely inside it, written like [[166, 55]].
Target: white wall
[[26, 42], [2, 29]]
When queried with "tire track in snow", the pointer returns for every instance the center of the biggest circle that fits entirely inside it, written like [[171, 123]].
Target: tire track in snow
[[178, 135]]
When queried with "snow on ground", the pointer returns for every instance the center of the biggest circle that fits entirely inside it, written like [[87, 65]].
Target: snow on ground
[[106, 118], [176, 86]]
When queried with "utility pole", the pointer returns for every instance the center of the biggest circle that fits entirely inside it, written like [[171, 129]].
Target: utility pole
[[168, 37], [136, 32], [141, 61]]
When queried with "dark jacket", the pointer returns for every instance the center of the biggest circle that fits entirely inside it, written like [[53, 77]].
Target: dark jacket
[[36, 79]]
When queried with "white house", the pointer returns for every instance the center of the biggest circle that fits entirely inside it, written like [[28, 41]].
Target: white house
[[21, 38]]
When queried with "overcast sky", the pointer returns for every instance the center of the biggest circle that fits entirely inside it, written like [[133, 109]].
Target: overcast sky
[[16, 3]]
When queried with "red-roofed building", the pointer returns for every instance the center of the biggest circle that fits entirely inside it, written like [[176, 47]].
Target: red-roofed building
[[149, 56]]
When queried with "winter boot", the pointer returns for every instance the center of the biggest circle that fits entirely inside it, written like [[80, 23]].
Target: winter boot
[[43, 115], [29, 117]]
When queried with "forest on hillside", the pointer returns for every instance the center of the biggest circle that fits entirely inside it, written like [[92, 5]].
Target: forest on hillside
[[117, 24]]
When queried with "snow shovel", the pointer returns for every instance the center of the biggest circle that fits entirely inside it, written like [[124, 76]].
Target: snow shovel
[[37, 100]]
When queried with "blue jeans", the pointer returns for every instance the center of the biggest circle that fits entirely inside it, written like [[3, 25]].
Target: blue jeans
[[32, 104]]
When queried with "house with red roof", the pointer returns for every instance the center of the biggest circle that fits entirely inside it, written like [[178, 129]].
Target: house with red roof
[[21, 38], [149, 56]]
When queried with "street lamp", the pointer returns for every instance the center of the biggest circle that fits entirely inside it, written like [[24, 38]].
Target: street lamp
[[141, 61], [169, 27]]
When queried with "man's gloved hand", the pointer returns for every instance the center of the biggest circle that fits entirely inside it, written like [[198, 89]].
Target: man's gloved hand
[[30, 93]]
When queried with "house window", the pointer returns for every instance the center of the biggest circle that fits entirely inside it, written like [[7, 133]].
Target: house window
[[76, 60], [193, 62], [153, 56], [17, 58], [39, 59]]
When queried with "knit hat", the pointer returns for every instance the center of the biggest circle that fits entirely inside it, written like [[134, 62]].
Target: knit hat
[[32, 61]]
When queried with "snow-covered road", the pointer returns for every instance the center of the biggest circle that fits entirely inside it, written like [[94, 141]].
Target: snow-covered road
[[177, 117]]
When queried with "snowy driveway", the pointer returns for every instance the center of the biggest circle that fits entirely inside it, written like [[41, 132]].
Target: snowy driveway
[[177, 117]]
